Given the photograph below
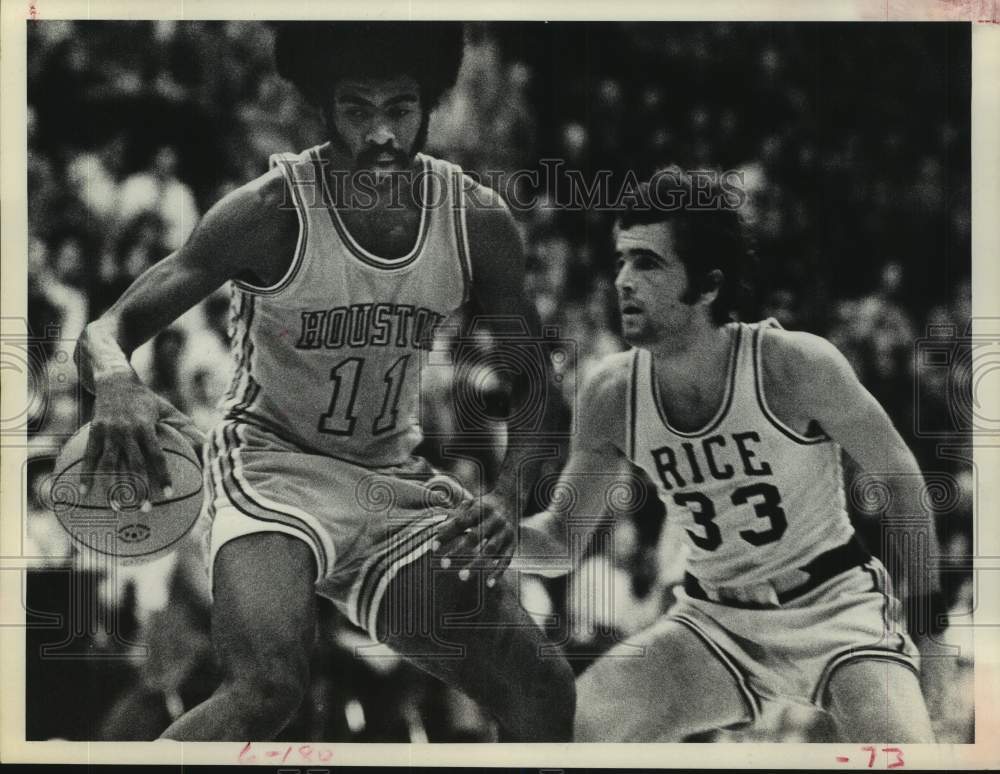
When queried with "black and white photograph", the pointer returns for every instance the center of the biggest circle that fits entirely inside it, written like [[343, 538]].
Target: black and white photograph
[[432, 381]]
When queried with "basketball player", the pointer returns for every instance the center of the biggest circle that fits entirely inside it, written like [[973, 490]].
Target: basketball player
[[740, 427], [343, 259]]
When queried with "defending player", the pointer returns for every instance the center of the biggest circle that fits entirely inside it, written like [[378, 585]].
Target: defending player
[[343, 257], [740, 427]]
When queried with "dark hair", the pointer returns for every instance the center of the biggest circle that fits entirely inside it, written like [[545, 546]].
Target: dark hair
[[315, 55], [708, 231]]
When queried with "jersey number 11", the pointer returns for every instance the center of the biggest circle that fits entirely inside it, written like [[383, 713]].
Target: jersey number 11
[[340, 419]]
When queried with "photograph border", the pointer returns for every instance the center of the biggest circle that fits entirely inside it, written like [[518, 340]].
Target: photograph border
[[985, 172]]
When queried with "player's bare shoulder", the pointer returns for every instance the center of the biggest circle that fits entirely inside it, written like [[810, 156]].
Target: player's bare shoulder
[[253, 229], [798, 370], [603, 397], [797, 355], [496, 251], [487, 215], [482, 198]]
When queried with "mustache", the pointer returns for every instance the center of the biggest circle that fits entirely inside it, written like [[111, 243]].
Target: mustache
[[369, 156]]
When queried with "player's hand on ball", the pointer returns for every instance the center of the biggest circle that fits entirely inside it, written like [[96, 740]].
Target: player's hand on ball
[[122, 443], [479, 538], [169, 415]]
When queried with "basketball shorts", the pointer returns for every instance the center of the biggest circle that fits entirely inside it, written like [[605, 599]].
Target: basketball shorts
[[790, 652], [362, 524]]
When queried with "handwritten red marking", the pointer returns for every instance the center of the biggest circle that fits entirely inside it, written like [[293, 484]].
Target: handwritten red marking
[[304, 753], [33, 11], [898, 763], [871, 756], [244, 758], [842, 759]]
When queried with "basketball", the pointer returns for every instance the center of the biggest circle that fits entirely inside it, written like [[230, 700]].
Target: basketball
[[128, 532]]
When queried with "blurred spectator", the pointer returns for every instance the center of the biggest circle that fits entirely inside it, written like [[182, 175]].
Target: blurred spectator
[[93, 177], [204, 369], [164, 378], [159, 191], [862, 231]]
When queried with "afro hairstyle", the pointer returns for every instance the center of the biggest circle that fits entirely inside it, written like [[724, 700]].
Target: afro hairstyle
[[313, 56]]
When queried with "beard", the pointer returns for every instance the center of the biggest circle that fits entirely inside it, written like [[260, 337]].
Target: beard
[[366, 159]]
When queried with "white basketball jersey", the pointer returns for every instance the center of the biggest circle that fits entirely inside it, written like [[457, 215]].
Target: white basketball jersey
[[754, 497], [329, 356]]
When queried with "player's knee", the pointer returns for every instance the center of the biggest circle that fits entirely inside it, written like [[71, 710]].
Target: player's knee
[[562, 681], [271, 691], [553, 699], [272, 701], [587, 725], [591, 722]]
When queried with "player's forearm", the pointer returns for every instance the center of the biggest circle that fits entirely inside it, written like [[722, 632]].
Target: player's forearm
[[542, 546], [519, 471], [99, 355], [909, 531], [527, 453]]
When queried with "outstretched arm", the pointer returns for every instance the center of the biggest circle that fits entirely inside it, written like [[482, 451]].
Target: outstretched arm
[[485, 535], [236, 236], [851, 416], [596, 482]]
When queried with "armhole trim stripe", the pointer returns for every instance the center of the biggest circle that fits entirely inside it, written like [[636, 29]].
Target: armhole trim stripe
[[632, 407], [461, 232], [300, 244], [252, 389], [758, 383]]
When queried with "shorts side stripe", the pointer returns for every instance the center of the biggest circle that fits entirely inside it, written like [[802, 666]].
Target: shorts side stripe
[[250, 503], [883, 585], [742, 683], [856, 654], [381, 555], [231, 486], [375, 601], [385, 561], [294, 516]]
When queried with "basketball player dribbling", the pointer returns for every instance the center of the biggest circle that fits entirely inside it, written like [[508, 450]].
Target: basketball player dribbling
[[740, 428], [343, 259]]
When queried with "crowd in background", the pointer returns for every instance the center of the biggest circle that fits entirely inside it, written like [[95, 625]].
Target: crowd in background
[[853, 145]]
